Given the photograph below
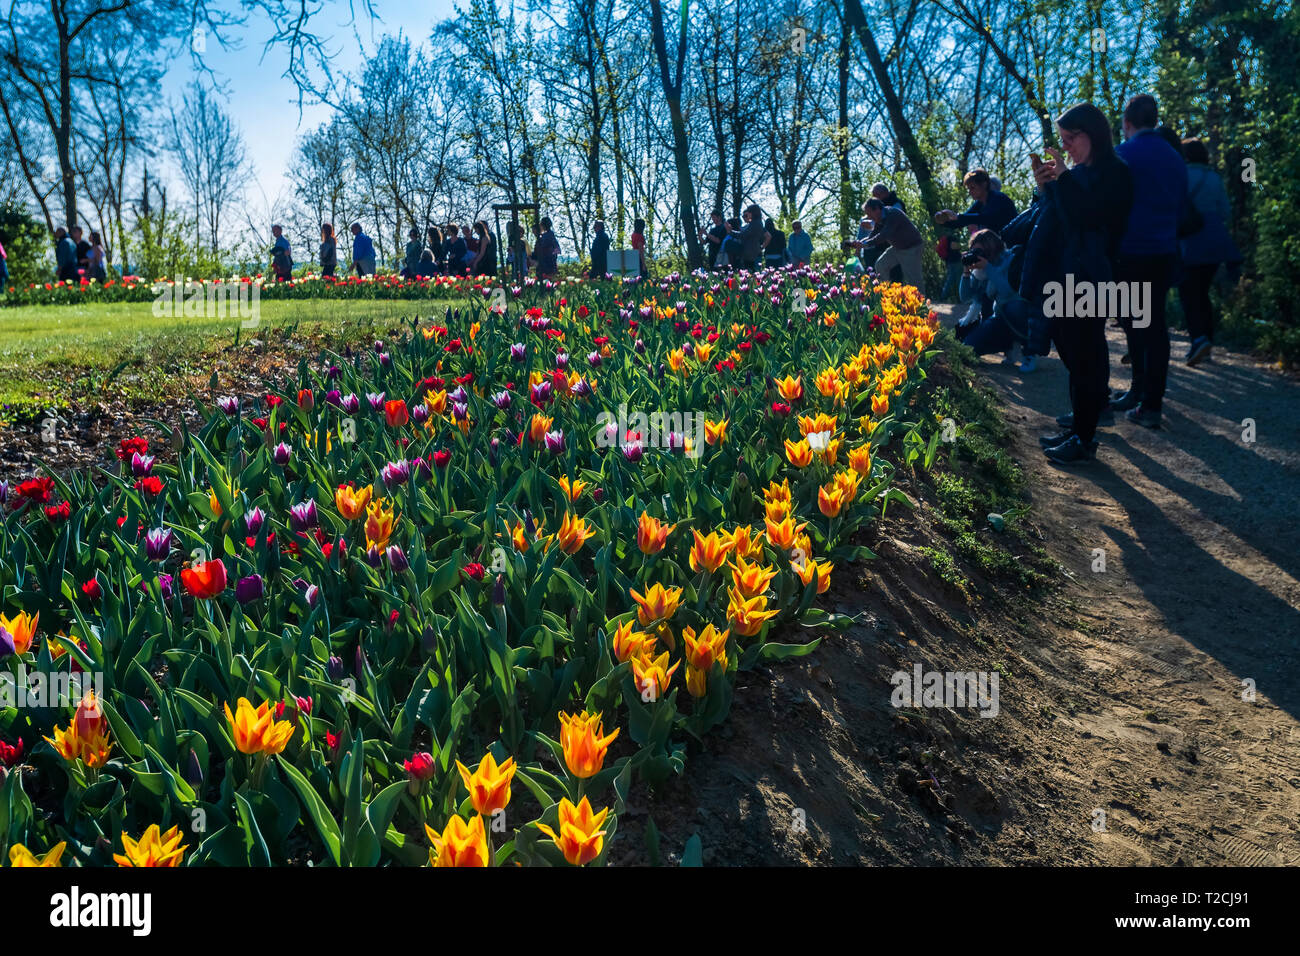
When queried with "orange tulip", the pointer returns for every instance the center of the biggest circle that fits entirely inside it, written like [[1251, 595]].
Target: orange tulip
[[459, 843], [580, 838], [747, 615], [395, 413], [86, 738], [489, 785], [799, 453], [572, 489], [257, 731], [791, 389], [751, 580], [351, 502], [651, 533], [860, 460], [584, 744], [782, 533], [205, 580], [652, 675], [709, 553], [22, 628], [808, 569], [573, 533], [715, 433], [628, 643], [155, 848], [830, 500], [708, 648], [657, 604]]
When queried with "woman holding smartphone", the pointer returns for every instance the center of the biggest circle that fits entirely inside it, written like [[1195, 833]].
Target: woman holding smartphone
[[1090, 200]]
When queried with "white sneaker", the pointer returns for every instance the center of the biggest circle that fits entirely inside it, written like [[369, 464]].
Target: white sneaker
[[972, 315]]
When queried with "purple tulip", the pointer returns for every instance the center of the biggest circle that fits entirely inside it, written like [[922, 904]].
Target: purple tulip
[[303, 515], [4, 492], [580, 389], [228, 404], [499, 590], [633, 451], [517, 352], [397, 559], [562, 360], [420, 414], [593, 359], [7, 645], [253, 520], [350, 403], [376, 400], [193, 770], [374, 557], [332, 373], [335, 668], [249, 589], [312, 594], [333, 397], [459, 395], [459, 411], [502, 399], [158, 543], [141, 465], [598, 495], [423, 468], [165, 586], [282, 454], [385, 359], [554, 441], [395, 473]]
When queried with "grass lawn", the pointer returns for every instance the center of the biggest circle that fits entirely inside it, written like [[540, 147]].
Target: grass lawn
[[50, 353]]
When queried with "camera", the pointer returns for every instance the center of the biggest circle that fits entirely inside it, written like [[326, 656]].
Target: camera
[[970, 258]]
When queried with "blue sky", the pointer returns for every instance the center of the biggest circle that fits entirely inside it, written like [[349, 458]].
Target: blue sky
[[265, 104]]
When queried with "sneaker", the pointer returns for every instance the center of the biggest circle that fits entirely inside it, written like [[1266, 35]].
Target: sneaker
[[1070, 451], [1011, 355], [1066, 421], [1200, 350], [1029, 364], [1051, 441], [1143, 416], [1129, 400]]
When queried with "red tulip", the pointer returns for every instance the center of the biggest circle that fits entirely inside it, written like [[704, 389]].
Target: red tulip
[[395, 413], [205, 580]]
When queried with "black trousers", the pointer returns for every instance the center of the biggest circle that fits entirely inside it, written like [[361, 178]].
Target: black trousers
[[1148, 347], [1081, 343], [1194, 295]]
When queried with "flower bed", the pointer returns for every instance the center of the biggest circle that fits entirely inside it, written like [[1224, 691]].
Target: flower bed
[[454, 595]]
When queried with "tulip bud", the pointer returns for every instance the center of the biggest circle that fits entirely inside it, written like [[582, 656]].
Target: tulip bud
[[194, 771], [499, 590], [335, 668], [249, 589], [397, 559]]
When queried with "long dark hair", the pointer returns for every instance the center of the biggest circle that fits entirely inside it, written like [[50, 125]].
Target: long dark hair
[[1086, 118]]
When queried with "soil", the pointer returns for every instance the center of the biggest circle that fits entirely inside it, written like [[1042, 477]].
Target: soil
[[1127, 733]]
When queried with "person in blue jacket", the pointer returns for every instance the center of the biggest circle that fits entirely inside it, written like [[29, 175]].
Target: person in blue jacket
[[1149, 254], [986, 271], [363, 251], [990, 207], [1205, 250]]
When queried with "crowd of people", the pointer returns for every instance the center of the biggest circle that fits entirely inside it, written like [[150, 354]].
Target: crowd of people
[[1134, 221]]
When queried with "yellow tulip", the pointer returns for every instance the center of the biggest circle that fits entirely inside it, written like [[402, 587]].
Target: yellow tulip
[[799, 453], [155, 848], [379, 524], [489, 785], [19, 855], [351, 502], [572, 489], [657, 604], [628, 643], [746, 544], [708, 648], [651, 533], [459, 843], [751, 580], [86, 738], [539, 426], [584, 743], [709, 553], [822, 570], [860, 460], [791, 389], [573, 533], [22, 628], [880, 404], [782, 533], [256, 731], [580, 838], [847, 482], [652, 675], [747, 615], [830, 500], [715, 433], [697, 681]]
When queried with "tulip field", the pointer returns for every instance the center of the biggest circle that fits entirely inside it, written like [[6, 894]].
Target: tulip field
[[447, 599]]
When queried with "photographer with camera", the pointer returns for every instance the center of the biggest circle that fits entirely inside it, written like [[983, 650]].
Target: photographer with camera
[[986, 272]]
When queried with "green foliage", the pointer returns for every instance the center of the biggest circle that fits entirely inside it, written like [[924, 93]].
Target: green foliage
[[26, 245]]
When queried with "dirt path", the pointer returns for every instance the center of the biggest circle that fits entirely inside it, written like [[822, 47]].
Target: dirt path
[[1125, 735], [1199, 601]]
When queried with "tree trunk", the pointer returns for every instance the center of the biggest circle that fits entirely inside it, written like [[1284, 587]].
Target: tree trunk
[[902, 129], [681, 151]]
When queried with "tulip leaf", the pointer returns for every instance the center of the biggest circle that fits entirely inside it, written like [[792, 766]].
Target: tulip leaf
[[326, 825]]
